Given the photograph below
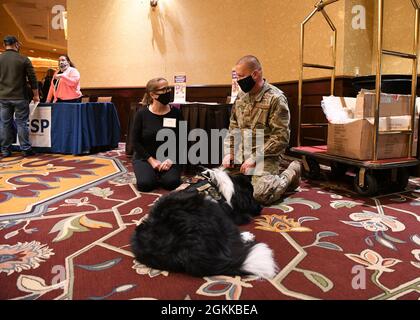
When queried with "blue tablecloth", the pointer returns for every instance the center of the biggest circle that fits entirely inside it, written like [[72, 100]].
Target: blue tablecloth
[[76, 128]]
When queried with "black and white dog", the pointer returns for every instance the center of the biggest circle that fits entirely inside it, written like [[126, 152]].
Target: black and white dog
[[195, 230]]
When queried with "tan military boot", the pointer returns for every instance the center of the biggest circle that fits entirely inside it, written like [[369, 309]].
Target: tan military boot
[[270, 188], [294, 171]]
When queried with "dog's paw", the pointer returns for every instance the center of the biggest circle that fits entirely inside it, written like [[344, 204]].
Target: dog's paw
[[247, 237]]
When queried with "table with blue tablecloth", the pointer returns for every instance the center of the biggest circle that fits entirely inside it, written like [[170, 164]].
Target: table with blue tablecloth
[[77, 128]]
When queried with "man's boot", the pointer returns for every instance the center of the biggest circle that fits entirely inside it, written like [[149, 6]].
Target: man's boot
[[294, 171], [270, 188]]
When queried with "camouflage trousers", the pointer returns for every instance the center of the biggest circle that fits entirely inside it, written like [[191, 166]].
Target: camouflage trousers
[[270, 184]]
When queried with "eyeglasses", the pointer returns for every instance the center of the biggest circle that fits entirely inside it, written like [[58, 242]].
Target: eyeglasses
[[163, 90]]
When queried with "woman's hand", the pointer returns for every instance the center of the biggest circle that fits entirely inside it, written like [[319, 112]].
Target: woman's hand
[[58, 76], [166, 165], [156, 164]]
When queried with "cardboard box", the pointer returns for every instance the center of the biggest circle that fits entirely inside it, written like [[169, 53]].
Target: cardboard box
[[391, 105], [393, 123], [355, 140]]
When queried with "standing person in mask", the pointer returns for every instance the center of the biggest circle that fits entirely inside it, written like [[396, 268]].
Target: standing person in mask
[[65, 86], [261, 106], [15, 71], [157, 114]]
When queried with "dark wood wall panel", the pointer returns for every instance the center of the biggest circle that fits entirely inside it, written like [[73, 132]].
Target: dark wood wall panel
[[312, 112], [313, 91], [123, 98]]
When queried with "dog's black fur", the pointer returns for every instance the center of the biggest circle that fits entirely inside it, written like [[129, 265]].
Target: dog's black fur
[[187, 231]]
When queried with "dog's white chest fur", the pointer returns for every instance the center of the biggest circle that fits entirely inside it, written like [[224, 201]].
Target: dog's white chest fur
[[224, 183]]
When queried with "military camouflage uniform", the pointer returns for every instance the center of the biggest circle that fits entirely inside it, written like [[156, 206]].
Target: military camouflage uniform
[[267, 111]]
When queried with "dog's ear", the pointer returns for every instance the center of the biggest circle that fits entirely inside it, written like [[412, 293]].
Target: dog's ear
[[200, 169], [210, 175]]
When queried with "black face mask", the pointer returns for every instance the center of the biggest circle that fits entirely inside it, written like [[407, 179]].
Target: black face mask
[[164, 98], [247, 84]]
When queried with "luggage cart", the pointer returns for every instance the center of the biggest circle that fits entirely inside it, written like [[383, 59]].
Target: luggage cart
[[374, 175]]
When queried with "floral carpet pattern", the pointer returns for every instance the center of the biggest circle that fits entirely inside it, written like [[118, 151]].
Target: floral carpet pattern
[[328, 242], [49, 177]]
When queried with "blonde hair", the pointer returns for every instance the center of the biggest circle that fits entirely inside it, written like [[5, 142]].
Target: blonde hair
[[151, 86]]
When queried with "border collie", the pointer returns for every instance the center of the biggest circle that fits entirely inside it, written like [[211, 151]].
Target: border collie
[[195, 230]]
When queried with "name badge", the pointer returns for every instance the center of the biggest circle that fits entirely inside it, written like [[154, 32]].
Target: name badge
[[169, 123]]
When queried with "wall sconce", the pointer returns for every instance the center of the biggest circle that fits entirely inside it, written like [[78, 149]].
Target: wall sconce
[[153, 3]]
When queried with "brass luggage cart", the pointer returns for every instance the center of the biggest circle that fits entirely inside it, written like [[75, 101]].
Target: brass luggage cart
[[370, 176]]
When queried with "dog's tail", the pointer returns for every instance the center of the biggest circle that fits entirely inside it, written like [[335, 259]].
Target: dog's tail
[[260, 262]]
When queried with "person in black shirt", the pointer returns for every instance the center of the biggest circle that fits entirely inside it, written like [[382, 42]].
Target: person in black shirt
[[15, 72], [156, 115]]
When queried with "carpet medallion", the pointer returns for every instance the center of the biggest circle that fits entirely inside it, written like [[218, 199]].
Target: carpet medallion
[[28, 186]]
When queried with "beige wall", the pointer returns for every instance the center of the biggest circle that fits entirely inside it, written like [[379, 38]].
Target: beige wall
[[123, 43], [361, 45], [118, 43], [399, 18], [358, 42]]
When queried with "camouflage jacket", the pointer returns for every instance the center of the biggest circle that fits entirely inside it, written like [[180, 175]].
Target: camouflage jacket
[[267, 112]]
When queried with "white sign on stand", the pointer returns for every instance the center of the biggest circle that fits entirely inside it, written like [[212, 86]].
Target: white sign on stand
[[39, 126], [180, 85]]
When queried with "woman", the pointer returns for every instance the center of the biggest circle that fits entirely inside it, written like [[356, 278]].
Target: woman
[[158, 114], [65, 86]]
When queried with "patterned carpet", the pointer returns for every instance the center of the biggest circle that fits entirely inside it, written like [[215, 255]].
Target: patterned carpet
[[65, 225]]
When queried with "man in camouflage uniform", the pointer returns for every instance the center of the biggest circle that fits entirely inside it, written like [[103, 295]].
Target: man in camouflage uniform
[[260, 108]]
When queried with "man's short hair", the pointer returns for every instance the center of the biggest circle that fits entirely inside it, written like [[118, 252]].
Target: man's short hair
[[251, 62], [10, 40]]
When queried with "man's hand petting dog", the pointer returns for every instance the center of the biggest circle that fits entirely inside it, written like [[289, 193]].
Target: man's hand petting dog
[[245, 167], [248, 165], [228, 162]]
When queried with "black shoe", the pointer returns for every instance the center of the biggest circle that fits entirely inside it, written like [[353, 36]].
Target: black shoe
[[6, 153], [28, 153]]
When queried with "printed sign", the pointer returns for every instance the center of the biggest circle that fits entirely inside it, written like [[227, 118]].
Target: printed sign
[[180, 88], [39, 126]]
